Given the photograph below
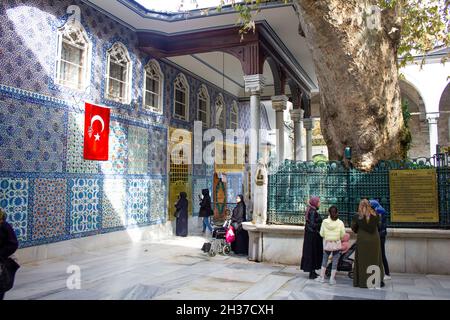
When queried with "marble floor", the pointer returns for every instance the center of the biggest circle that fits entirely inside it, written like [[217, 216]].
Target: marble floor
[[176, 268]]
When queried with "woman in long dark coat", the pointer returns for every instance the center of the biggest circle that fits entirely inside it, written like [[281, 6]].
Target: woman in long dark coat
[[206, 210], [240, 244], [182, 215], [368, 246], [312, 244], [8, 241]]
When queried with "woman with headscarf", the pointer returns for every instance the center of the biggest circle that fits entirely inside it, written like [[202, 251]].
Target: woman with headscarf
[[382, 230], [312, 244], [368, 247], [240, 244], [182, 215], [8, 241], [206, 210]]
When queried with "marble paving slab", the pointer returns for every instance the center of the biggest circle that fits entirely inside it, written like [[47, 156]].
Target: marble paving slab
[[178, 269], [264, 289]]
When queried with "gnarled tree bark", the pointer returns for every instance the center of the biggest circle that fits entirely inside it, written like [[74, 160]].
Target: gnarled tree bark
[[356, 65]]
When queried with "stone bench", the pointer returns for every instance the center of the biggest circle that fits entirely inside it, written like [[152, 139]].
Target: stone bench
[[425, 251]]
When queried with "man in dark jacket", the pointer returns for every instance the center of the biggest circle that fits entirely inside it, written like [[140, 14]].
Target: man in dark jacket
[[382, 230], [205, 210], [8, 241]]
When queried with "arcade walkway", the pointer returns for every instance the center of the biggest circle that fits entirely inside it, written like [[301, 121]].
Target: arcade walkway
[[177, 269]]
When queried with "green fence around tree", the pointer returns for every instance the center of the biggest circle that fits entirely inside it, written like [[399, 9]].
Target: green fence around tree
[[291, 184]]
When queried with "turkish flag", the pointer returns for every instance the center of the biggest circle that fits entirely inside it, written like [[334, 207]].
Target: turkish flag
[[96, 132]]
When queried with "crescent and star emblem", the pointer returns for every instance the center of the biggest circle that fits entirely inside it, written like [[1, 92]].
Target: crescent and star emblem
[[93, 119]]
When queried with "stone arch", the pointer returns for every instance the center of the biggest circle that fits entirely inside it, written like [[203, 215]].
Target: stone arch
[[444, 117], [418, 124], [276, 74]]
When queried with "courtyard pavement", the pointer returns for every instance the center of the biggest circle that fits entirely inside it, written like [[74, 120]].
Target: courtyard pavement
[[176, 268]]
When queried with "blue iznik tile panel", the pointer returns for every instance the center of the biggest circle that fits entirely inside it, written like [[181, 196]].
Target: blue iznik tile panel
[[14, 199], [48, 190], [157, 202], [114, 203], [200, 183], [138, 202], [75, 140], [49, 210], [31, 137], [158, 151], [118, 149], [234, 186], [84, 205], [138, 150]]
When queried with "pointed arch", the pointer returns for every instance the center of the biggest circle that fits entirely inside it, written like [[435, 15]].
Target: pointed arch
[[118, 74], [73, 57], [203, 106], [153, 87], [181, 98]]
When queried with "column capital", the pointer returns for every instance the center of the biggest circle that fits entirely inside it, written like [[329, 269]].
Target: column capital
[[279, 103], [308, 123], [254, 83], [297, 115], [432, 118]]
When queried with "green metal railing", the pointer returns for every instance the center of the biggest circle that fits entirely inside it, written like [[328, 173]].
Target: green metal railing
[[293, 183]]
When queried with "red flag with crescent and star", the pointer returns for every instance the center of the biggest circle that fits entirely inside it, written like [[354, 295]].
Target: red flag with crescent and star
[[96, 132]]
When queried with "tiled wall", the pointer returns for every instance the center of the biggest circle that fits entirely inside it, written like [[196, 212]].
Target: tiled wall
[[49, 191]]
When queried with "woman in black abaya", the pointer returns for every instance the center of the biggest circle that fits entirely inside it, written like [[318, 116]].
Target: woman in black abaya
[[240, 244], [182, 215]]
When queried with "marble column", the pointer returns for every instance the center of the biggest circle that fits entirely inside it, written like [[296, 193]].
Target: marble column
[[255, 85], [433, 130], [308, 124], [297, 116], [279, 104]]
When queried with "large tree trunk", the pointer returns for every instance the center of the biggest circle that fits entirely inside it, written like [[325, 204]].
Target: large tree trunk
[[356, 67]]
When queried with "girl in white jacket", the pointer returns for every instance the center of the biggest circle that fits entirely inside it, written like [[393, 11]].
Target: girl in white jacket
[[332, 231]]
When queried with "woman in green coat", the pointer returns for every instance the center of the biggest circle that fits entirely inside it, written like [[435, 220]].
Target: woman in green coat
[[368, 246]]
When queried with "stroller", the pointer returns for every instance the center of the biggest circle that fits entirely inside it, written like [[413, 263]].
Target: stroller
[[219, 243], [345, 263]]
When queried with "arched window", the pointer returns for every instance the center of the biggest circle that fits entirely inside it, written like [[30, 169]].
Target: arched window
[[153, 87], [72, 64], [181, 98], [234, 117], [220, 112], [203, 106], [118, 74]]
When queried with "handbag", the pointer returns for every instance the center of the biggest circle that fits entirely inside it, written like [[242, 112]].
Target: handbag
[[177, 213], [332, 245], [8, 269], [230, 235]]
